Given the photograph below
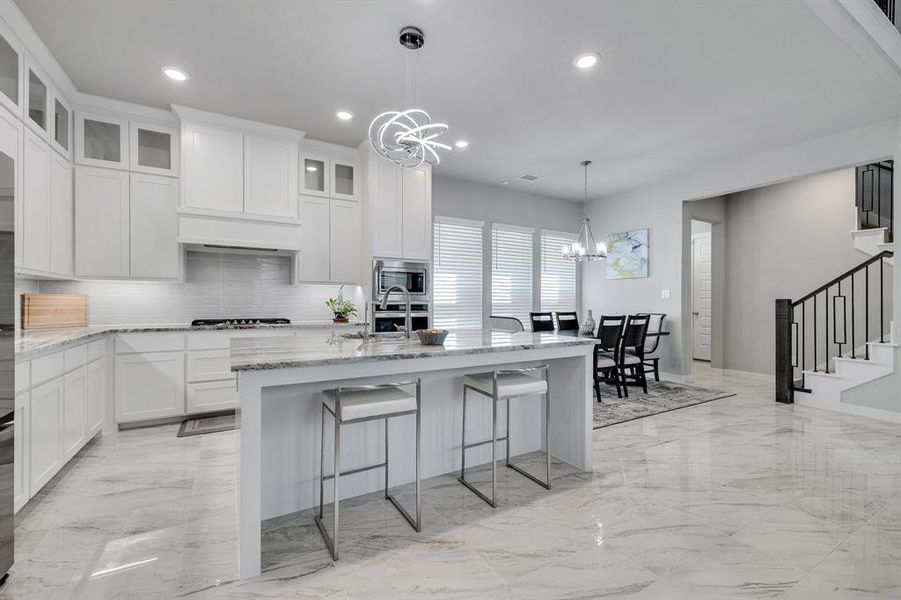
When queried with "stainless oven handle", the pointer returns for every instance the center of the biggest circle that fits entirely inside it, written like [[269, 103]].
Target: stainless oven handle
[[395, 314]]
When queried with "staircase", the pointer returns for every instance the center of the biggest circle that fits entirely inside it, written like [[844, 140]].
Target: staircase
[[837, 342]]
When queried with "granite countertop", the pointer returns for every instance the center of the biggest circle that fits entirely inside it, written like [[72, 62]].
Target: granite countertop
[[310, 349], [33, 342]]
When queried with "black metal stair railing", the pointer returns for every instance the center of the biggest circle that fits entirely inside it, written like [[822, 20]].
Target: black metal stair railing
[[837, 319], [887, 7], [875, 205]]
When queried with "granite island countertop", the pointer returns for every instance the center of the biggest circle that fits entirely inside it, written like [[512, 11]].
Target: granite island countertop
[[32, 342], [311, 348]]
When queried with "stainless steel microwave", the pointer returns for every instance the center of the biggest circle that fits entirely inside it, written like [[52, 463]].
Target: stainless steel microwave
[[412, 275]]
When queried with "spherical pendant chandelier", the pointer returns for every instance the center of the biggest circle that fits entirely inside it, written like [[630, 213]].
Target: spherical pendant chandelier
[[408, 138]]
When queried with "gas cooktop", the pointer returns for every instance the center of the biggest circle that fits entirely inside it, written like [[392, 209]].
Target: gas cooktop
[[237, 323]]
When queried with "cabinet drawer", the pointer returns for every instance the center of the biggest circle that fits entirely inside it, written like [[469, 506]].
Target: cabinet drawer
[[76, 357], [96, 349], [23, 376], [208, 340], [209, 365], [211, 396], [149, 342], [47, 367]]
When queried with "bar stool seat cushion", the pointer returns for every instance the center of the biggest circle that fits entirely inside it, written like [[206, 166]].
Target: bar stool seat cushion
[[508, 384], [380, 402]]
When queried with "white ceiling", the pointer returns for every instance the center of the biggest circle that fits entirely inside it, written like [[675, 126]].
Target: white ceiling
[[681, 85]]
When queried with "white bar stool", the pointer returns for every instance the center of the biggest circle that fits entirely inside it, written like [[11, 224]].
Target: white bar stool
[[503, 385], [357, 404]]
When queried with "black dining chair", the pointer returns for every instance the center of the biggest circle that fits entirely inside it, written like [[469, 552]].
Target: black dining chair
[[652, 344], [567, 322], [542, 321], [509, 324], [609, 340], [630, 357]]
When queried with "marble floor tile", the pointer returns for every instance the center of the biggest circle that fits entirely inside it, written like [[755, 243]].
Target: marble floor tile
[[740, 497]]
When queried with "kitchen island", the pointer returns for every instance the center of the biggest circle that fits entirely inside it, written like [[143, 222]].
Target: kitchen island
[[281, 379]]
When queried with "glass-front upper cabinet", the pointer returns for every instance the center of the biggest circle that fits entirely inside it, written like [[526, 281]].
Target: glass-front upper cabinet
[[153, 149], [345, 179], [37, 99], [101, 141], [11, 65], [314, 174], [61, 132]]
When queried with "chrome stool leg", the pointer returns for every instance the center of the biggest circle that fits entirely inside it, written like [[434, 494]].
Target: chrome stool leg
[[492, 501], [546, 484]]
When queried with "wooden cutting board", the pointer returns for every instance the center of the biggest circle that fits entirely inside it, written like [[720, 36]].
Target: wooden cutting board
[[49, 311]]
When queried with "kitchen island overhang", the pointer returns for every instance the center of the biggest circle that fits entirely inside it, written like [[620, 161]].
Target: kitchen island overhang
[[280, 381]]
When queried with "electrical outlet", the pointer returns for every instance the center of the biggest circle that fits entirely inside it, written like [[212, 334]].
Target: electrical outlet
[[664, 294]]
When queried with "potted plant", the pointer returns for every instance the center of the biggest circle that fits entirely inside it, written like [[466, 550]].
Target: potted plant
[[341, 308]]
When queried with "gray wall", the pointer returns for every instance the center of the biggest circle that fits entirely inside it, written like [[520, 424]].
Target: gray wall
[[782, 241], [497, 204]]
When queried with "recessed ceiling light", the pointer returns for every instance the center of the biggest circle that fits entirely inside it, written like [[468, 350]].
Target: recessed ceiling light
[[344, 115], [461, 144], [586, 60], [175, 74], [312, 169], [505, 183]]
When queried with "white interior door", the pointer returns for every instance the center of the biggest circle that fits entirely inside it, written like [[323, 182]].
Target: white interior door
[[702, 295]]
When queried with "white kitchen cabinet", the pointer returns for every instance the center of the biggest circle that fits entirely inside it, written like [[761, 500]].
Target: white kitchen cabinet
[[62, 215], [11, 134], [150, 386], [61, 126], [345, 178], [22, 447], [153, 226], [314, 256], [209, 365], [210, 396], [386, 211], [74, 412], [153, 149], [315, 174], [11, 69], [101, 141], [417, 213], [36, 159], [344, 241], [37, 99], [213, 173], [270, 177], [101, 223], [96, 396], [45, 433]]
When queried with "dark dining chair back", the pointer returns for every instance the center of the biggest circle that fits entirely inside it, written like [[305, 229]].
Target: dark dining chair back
[[610, 332], [567, 321], [635, 334], [655, 325], [542, 321]]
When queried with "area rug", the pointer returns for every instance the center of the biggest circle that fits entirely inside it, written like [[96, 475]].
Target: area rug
[[208, 424], [662, 397]]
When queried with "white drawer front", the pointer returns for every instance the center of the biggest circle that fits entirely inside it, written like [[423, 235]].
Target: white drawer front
[[209, 365], [211, 396], [208, 340], [45, 368], [23, 375], [96, 349], [76, 357], [127, 343]]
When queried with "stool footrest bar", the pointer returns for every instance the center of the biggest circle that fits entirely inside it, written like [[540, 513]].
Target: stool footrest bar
[[474, 444], [355, 471]]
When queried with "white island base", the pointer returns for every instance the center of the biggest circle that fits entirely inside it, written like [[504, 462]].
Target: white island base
[[280, 418]]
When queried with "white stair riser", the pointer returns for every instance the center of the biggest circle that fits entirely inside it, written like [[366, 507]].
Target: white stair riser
[[861, 370], [869, 240]]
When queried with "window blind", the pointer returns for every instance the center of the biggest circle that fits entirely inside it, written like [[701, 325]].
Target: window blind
[[558, 274], [511, 272], [457, 274]]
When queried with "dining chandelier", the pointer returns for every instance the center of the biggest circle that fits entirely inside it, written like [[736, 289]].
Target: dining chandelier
[[585, 248], [408, 138]]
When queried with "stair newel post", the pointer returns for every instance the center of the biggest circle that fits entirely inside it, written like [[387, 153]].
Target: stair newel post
[[784, 368]]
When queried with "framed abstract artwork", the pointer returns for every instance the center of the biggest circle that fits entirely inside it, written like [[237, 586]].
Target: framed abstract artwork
[[627, 255]]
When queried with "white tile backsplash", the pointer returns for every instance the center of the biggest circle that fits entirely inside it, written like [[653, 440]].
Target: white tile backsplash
[[216, 286]]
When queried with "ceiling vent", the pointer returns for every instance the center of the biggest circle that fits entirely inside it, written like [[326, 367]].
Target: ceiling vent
[[529, 177]]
